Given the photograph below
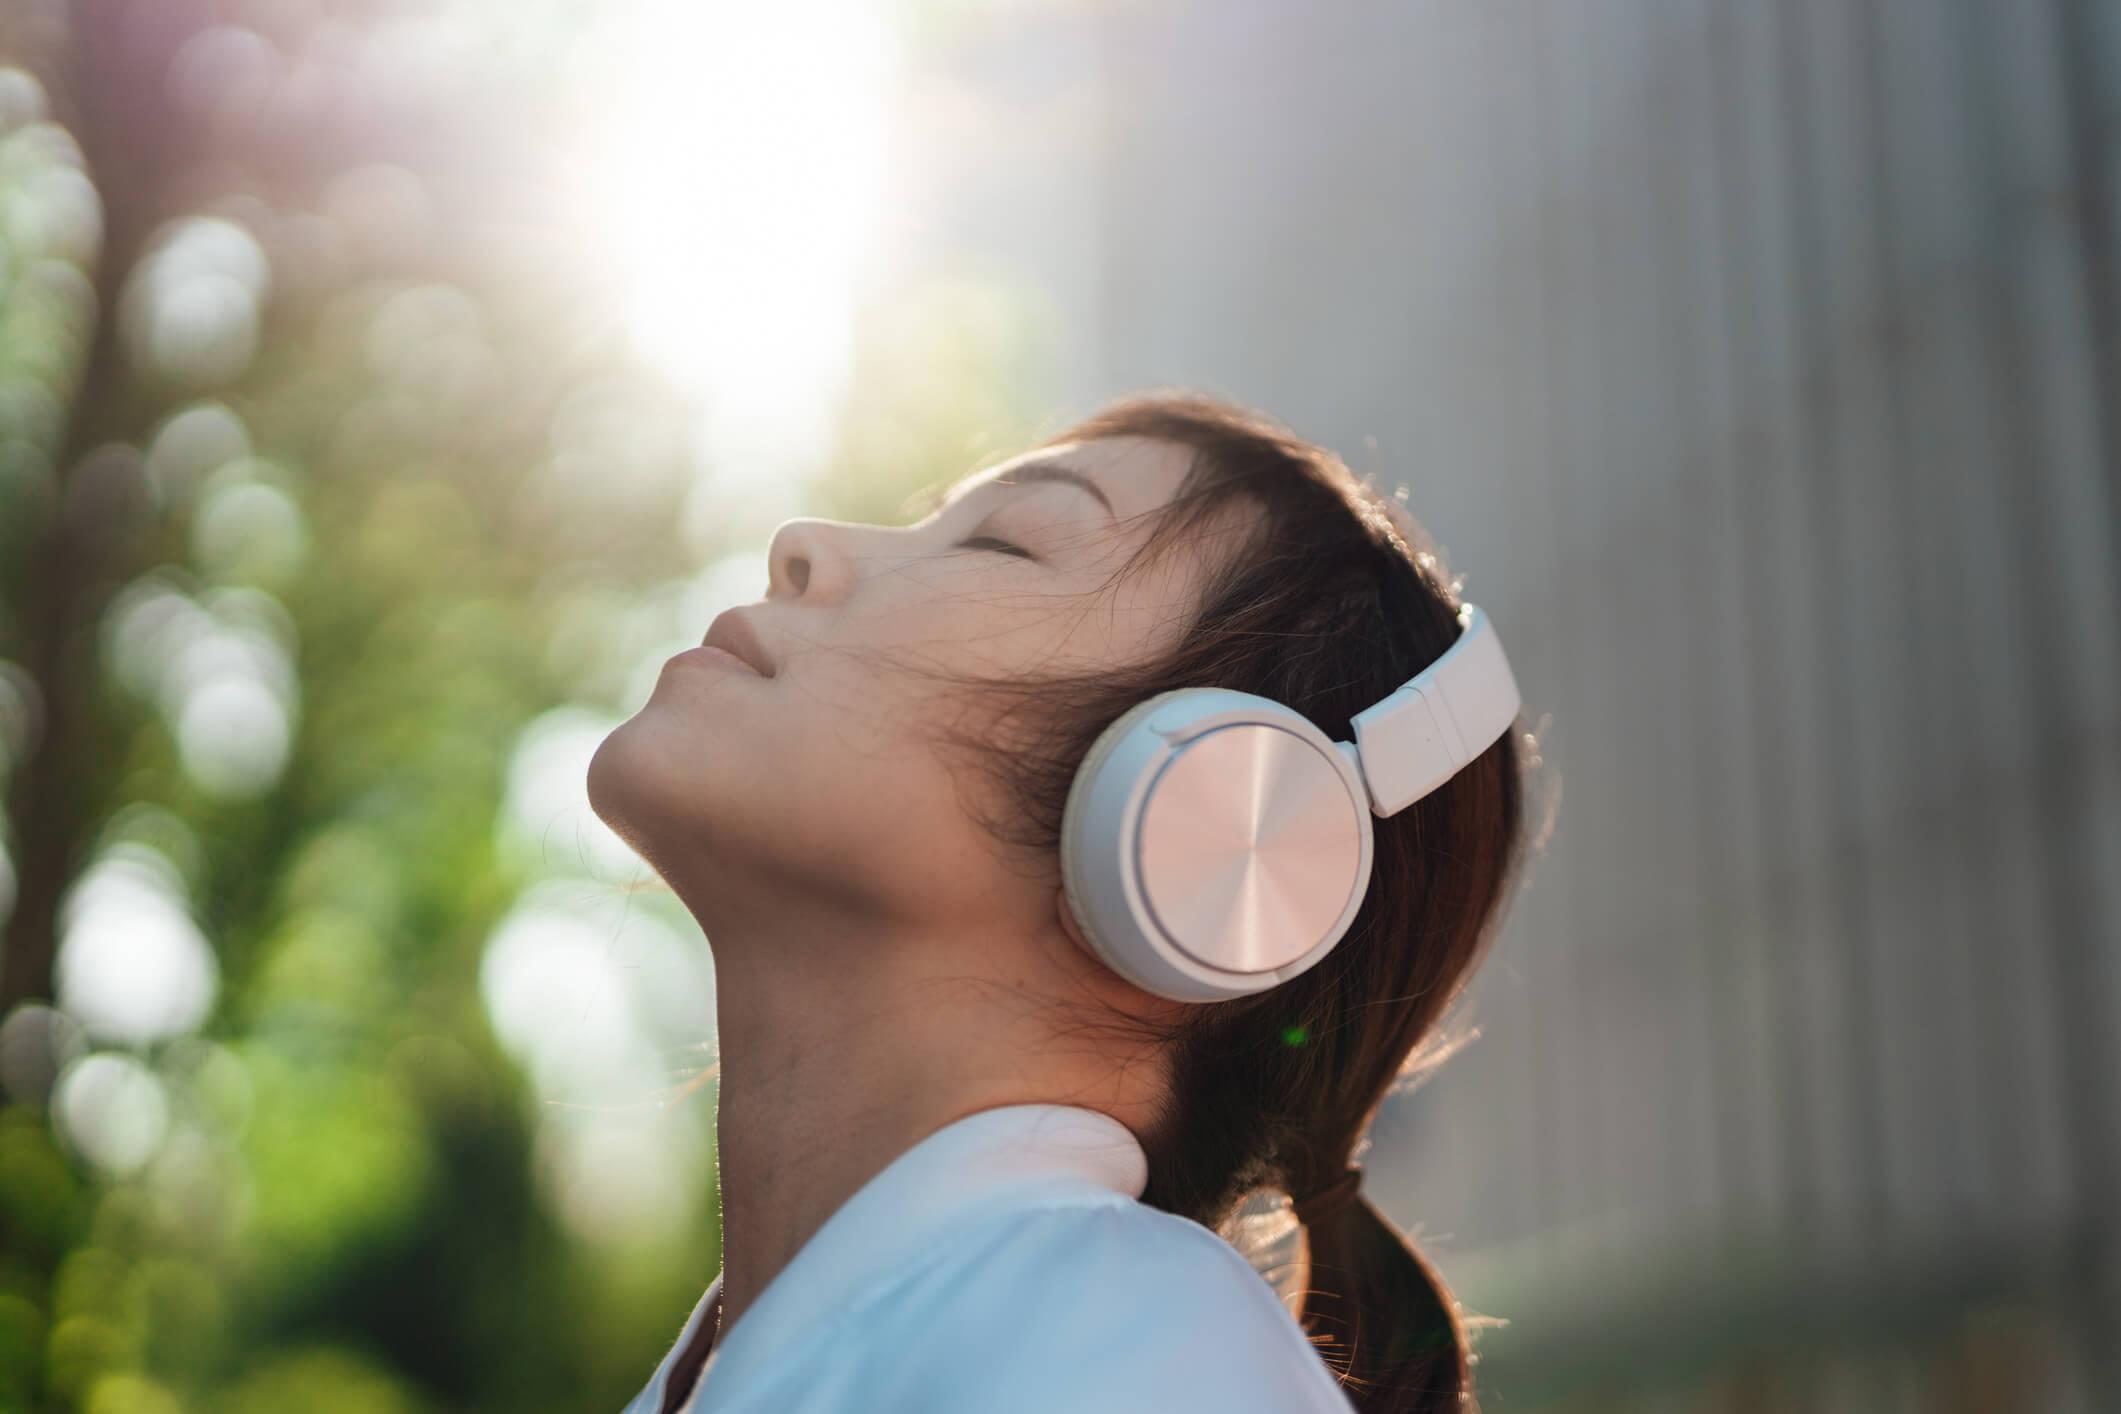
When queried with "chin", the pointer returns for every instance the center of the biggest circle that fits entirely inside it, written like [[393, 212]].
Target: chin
[[635, 782], [613, 785], [660, 784]]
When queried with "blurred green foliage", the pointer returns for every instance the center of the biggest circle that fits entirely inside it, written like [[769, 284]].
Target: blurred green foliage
[[336, 518]]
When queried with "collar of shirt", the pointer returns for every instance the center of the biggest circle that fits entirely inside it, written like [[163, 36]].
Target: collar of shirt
[[990, 1161]]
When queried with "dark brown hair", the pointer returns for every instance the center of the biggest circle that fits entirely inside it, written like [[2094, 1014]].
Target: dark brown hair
[[1321, 601]]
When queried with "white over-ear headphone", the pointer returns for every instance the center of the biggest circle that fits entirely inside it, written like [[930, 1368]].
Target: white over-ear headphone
[[1216, 843]]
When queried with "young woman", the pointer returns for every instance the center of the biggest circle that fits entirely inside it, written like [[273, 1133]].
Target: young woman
[[966, 1164]]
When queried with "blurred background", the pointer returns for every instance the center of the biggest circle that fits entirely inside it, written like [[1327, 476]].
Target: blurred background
[[387, 387]]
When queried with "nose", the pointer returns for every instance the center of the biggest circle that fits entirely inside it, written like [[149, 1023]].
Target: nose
[[808, 559]]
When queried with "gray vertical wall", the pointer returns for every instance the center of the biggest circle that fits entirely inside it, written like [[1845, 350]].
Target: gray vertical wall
[[1756, 364]]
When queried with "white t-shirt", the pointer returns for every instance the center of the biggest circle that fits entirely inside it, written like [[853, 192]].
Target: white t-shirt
[[1004, 1263]]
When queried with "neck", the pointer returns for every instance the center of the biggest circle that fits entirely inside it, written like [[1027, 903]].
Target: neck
[[832, 1066]]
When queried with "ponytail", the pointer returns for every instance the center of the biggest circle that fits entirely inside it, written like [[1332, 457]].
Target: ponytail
[[1380, 1314]]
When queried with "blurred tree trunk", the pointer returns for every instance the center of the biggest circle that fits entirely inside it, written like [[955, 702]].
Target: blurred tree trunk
[[109, 89]]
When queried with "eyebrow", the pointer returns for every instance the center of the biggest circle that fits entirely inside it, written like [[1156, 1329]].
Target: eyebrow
[[1033, 472]]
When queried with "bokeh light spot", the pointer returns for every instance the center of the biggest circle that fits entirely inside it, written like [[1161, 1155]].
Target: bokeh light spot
[[132, 965], [112, 1109]]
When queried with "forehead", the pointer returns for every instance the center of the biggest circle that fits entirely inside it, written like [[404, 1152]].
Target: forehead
[[1137, 474]]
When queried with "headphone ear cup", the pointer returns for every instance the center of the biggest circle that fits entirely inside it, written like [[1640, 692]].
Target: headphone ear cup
[[1214, 844]]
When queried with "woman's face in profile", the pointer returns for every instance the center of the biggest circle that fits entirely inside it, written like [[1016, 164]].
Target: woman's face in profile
[[819, 789]]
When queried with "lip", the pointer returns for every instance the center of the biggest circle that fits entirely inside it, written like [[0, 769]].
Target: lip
[[719, 659], [735, 634]]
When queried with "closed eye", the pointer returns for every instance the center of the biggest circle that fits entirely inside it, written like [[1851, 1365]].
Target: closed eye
[[989, 542]]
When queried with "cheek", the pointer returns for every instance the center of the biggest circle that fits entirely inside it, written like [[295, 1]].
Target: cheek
[[853, 728], [870, 720], [866, 803]]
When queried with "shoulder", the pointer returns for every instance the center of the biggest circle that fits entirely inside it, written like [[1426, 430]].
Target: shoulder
[[1112, 1306]]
